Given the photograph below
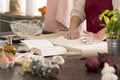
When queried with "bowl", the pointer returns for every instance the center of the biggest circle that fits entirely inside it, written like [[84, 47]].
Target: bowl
[[26, 28]]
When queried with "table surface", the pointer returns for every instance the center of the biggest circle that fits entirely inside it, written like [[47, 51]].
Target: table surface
[[72, 69]]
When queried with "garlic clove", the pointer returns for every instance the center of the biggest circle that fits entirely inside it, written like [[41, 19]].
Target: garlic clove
[[109, 76], [58, 59], [107, 69]]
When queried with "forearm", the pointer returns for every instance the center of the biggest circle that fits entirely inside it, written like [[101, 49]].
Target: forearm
[[75, 22], [101, 35]]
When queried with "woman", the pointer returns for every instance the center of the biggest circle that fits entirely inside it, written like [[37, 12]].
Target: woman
[[58, 14], [90, 10]]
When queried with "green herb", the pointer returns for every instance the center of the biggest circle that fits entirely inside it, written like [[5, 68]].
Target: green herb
[[112, 23]]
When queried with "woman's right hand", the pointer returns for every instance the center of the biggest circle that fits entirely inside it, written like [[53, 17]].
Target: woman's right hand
[[72, 34]]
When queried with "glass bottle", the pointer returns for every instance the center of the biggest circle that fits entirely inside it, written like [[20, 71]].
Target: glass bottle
[[9, 47]]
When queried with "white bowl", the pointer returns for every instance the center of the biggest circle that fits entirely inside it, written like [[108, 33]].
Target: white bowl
[[26, 28]]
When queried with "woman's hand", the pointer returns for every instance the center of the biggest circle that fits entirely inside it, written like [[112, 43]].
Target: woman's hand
[[72, 34], [89, 38]]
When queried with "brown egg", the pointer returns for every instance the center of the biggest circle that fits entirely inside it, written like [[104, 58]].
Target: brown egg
[[10, 56], [3, 59]]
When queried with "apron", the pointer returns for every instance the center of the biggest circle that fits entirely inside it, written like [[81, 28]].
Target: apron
[[93, 8]]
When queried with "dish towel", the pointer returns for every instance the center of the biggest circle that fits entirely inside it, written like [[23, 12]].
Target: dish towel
[[58, 14]]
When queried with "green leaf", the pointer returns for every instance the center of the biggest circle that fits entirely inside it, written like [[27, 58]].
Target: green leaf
[[106, 11], [113, 18], [111, 13], [112, 23], [107, 20], [103, 14]]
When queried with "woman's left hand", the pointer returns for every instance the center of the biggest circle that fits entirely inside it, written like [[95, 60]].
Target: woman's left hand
[[89, 37]]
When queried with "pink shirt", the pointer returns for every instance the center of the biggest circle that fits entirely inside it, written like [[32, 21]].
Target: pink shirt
[[58, 14]]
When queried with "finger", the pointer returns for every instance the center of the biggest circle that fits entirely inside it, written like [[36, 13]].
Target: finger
[[67, 36], [85, 39], [75, 36], [83, 36], [72, 37], [89, 42], [90, 34]]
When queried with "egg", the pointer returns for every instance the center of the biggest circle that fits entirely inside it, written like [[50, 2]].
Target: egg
[[10, 56], [4, 59], [58, 59], [4, 62]]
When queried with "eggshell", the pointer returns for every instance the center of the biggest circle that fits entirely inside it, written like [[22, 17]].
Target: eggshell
[[10, 57]]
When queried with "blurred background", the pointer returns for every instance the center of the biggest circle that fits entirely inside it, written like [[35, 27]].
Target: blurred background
[[12, 10]]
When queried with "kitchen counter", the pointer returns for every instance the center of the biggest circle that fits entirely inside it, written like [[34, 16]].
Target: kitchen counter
[[72, 69]]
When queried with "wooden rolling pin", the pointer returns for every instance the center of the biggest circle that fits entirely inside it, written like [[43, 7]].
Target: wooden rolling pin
[[74, 54]]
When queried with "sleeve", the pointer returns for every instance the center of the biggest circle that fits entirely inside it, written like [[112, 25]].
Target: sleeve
[[79, 9], [116, 4]]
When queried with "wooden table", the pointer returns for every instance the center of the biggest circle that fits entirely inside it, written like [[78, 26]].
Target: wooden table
[[73, 69]]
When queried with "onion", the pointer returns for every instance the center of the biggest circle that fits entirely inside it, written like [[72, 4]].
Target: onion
[[92, 64], [105, 58]]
